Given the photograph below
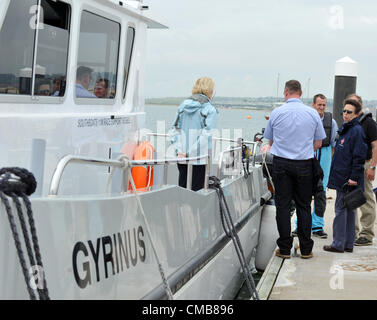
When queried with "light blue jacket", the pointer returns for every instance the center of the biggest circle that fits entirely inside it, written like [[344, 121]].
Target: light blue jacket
[[191, 132]]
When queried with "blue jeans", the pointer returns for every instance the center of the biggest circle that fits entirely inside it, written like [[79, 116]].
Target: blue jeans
[[343, 225], [293, 180]]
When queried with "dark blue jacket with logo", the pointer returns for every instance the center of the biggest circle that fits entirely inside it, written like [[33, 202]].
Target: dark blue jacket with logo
[[349, 156]]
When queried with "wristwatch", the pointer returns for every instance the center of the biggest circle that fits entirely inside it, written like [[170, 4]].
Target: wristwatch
[[372, 167]]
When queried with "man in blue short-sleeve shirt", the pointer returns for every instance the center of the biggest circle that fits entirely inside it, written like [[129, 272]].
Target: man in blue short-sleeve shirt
[[295, 132]]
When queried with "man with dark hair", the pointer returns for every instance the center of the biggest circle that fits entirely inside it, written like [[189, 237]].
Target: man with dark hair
[[83, 79], [364, 237], [295, 132], [323, 155]]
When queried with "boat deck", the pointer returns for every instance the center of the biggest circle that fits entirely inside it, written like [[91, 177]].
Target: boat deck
[[327, 276]]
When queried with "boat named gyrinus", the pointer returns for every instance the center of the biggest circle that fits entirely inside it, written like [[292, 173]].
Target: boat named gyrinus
[[72, 113]]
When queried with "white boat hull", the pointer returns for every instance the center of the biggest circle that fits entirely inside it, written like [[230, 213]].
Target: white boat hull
[[85, 241]]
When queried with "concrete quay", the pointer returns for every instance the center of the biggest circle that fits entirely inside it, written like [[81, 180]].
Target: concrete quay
[[326, 276]]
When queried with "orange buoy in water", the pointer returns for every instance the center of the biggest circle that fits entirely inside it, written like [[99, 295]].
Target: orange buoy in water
[[248, 117], [143, 177]]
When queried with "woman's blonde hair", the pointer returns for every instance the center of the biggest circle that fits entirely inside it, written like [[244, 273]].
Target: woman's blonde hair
[[204, 86]]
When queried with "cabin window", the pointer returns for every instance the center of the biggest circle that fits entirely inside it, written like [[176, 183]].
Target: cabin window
[[96, 74], [17, 48], [52, 50], [129, 50], [24, 66]]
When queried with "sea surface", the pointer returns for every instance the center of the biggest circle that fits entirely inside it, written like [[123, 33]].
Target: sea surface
[[231, 123]]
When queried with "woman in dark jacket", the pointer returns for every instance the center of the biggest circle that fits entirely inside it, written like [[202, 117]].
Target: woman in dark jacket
[[347, 167]]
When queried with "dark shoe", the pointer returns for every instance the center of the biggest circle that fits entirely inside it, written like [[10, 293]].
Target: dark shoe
[[348, 250], [332, 249], [320, 234], [284, 256], [307, 256], [362, 241], [294, 233]]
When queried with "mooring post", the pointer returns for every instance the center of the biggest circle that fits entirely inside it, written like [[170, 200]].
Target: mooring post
[[345, 84]]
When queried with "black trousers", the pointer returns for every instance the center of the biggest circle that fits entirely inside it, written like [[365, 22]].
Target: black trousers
[[198, 175], [293, 180]]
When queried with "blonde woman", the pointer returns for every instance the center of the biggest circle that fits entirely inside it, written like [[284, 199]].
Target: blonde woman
[[191, 130]]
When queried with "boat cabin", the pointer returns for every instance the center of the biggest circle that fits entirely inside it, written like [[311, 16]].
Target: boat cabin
[[71, 81]]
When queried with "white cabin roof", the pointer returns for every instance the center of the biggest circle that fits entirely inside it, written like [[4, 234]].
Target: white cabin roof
[[134, 8]]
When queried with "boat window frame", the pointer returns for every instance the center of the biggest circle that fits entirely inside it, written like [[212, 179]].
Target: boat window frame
[[125, 89], [32, 98], [112, 18]]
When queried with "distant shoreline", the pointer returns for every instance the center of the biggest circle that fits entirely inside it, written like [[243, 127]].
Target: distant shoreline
[[217, 106], [261, 103]]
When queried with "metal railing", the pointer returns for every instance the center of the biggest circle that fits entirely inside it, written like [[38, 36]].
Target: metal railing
[[239, 142], [62, 164], [234, 160]]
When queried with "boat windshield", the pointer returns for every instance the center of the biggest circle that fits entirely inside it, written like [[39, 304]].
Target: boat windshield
[[34, 48], [98, 57], [129, 50]]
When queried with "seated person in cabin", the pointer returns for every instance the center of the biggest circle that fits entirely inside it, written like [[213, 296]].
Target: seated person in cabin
[[83, 79], [58, 87], [101, 90], [44, 89]]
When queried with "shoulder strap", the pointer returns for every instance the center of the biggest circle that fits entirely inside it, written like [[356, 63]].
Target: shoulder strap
[[178, 117], [363, 117], [327, 125]]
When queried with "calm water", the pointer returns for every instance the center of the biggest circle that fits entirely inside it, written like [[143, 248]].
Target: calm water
[[231, 119]]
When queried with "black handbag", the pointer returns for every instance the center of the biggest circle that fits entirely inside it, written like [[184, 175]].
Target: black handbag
[[354, 197]]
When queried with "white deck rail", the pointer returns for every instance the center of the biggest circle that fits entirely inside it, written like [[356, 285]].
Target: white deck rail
[[63, 163]]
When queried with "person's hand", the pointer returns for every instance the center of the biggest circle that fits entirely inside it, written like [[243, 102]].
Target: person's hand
[[181, 155], [265, 148], [371, 174], [352, 183]]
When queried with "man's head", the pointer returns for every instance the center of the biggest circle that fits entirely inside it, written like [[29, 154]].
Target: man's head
[[83, 76], [319, 103], [292, 89], [56, 84], [101, 90]]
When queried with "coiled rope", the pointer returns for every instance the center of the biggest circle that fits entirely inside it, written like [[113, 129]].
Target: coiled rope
[[230, 231], [19, 183]]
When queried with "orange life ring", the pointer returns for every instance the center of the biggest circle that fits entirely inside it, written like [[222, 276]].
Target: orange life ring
[[129, 149], [143, 177]]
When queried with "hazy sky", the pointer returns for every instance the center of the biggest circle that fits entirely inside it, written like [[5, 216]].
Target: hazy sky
[[244, 44]]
